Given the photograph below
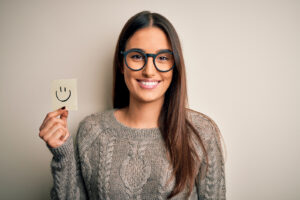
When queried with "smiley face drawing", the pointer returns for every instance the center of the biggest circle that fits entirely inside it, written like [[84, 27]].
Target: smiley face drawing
[[62, 95]]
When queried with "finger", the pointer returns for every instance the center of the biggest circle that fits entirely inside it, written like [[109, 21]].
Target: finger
[[51, 126], [66, 136], [51, 115], [64, 115], [57, 138], [59, 134], [54, 114], [51, 131], [54, 140], [51, 122]]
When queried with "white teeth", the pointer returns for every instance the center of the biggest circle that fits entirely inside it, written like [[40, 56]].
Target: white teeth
[[149, 83]]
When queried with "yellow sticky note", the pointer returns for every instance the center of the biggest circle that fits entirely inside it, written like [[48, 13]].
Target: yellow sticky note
[[64, 93]]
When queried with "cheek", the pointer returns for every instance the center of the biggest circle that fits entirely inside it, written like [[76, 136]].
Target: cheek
[[128, 78]]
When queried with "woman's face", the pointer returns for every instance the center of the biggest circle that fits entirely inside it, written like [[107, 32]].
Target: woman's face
[[149, 84]]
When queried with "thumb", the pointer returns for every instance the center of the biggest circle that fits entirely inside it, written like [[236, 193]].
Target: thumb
[[64, 115]]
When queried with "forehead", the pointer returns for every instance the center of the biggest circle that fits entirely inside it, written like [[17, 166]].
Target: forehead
[[150, 39]]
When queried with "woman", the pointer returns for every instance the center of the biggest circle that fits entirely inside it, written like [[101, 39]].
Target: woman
[[149, 146]]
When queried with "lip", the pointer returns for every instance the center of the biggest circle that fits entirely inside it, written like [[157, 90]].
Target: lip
[[148, 86], [148, 80]]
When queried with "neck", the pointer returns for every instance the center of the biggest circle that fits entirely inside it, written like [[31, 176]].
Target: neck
[[143, 115]]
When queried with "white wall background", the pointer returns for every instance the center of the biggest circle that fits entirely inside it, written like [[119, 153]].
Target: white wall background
[[243, 70]]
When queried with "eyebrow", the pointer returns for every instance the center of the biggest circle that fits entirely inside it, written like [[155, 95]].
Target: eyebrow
[[145, 51]]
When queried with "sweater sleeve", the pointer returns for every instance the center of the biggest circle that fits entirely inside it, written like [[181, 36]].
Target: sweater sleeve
[[65, 167], [212, 185]]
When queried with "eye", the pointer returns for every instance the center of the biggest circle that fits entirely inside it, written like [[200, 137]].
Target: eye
[[163, 58], [136, 57]]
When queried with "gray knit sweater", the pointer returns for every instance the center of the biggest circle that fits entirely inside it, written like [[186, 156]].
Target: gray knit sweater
[[111, 161]]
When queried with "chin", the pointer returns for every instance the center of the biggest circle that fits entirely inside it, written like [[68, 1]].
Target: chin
[[148, 98]]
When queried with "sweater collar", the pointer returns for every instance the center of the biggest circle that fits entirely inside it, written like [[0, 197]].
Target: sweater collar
[[121, 130]]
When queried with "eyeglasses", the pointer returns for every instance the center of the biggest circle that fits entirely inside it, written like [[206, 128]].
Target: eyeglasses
[[136, 59]]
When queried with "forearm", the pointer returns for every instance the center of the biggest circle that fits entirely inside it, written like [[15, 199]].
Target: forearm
[[65, 168]]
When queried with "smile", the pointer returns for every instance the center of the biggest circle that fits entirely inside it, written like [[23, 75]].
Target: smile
[[63, 100], [148, 84]]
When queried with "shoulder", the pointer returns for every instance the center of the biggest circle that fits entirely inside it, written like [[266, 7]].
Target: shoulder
[[94, 120], [202, 122], [91, 126], [208, 130], [98, 120]]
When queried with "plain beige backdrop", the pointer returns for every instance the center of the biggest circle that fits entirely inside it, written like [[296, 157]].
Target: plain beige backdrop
[[242, 61]]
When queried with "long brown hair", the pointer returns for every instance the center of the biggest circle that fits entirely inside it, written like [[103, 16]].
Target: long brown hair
[[176, 129]]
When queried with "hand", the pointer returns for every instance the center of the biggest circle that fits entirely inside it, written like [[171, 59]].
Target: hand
[[54, 130]]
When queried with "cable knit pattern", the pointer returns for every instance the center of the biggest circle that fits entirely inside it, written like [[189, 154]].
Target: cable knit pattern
[[112, 161], [166, 173], [106, 152], [135, 170]]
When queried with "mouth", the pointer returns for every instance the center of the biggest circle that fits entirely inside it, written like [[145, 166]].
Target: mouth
[[148, 84]]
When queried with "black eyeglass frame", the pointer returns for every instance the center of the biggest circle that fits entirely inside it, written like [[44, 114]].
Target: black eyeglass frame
[[146, 55]]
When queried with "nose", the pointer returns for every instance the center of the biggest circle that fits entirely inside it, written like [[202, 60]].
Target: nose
[[149, 69]]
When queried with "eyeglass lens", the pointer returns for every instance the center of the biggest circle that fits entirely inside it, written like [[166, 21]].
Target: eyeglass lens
[[163, 61]]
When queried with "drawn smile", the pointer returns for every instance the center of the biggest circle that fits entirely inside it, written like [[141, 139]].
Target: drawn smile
[[63, 100]]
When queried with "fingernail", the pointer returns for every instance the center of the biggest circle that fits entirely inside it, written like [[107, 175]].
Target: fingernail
[[64, 107]]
